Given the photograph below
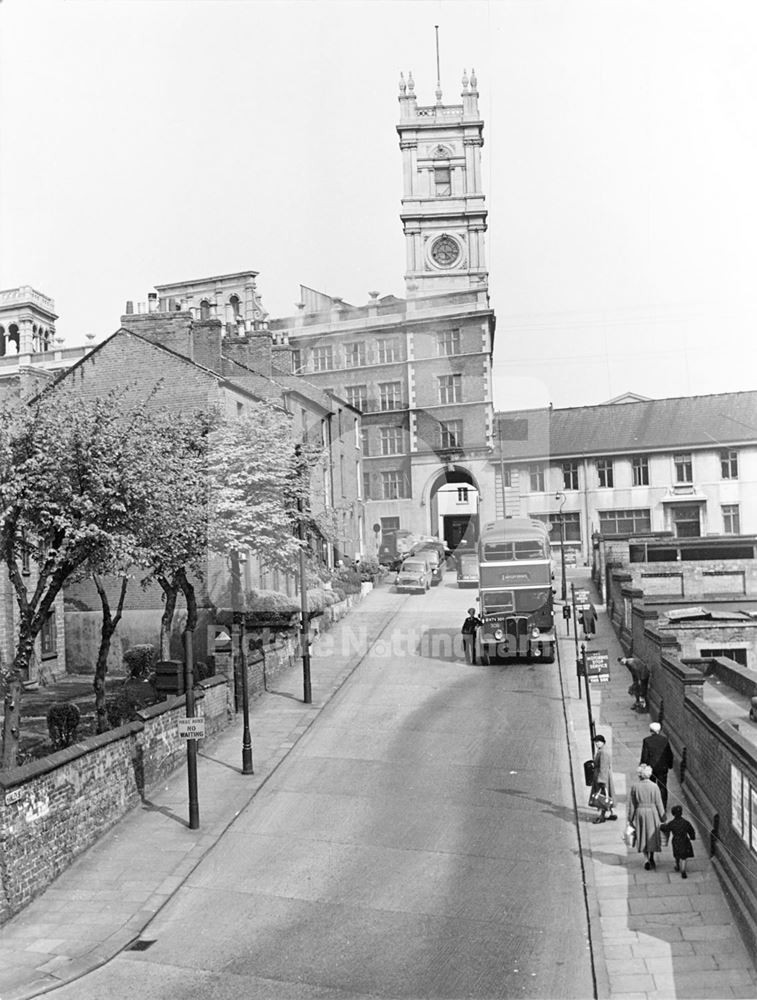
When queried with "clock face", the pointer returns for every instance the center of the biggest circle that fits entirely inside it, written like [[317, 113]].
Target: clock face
[[445, 251]]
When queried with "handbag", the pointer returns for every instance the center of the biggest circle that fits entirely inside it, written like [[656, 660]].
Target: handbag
[[629, 835], [600, 799], [589, 773]]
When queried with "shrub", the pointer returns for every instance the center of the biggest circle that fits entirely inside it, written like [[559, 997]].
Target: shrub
[[348, 580], [62, 723], [128, 699], [369, 568], [140, 660], [271, 602]]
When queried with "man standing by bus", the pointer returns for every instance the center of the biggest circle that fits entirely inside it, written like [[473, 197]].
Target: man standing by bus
[[468, 630]]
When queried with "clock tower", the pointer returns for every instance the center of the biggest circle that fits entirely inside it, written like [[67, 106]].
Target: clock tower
[[443, 209]]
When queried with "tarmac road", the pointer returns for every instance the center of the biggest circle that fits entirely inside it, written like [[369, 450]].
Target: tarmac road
[[419, 841]]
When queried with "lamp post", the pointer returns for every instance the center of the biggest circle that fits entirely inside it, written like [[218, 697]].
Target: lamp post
[[238, 619], [563, 588], [502, 469], [307, 694]]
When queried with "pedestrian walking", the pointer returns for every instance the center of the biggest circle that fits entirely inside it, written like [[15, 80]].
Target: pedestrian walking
[[657, 752], [589, 621], [645, 814], [682, 833], [470, 625], [640, 674], [602, 784]]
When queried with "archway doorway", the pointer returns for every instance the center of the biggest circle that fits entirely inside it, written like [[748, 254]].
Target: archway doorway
[[453, 508]]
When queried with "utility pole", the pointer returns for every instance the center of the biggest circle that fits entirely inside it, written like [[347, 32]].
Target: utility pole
[[307, 694], [564, 587]]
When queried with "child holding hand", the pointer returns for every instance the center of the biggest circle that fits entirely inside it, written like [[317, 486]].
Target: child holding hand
[[682, 833]]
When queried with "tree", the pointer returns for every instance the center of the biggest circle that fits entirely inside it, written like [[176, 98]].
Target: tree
[[69, 494]]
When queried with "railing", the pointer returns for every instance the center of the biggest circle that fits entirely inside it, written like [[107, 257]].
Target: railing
[[25, 293], [440, 111]]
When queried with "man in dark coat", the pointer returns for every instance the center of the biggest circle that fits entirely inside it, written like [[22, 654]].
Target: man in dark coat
[[640, 673], [470, 625], [657, 753]]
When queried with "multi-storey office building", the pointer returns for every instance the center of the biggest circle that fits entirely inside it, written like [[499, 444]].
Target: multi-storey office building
[[419, 368], [685, 465]]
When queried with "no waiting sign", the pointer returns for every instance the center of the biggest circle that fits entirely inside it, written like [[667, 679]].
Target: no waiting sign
[[192, 729]]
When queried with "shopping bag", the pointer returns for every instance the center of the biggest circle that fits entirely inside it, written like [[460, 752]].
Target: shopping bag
[[600, 800], [629, 835]]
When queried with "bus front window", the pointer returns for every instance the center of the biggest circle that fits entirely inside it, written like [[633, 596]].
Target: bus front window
[[531, 600], [498, 602]]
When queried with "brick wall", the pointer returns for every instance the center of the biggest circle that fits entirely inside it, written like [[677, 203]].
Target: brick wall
[[53, 809]]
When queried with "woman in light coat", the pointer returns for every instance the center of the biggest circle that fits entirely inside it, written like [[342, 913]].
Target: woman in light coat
[[645, 813], [602, 781]]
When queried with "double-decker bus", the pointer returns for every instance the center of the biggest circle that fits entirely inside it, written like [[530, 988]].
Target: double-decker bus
[[515, 591]]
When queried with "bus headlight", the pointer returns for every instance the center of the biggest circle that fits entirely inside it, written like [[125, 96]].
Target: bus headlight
[[535, 633], [498, 634]]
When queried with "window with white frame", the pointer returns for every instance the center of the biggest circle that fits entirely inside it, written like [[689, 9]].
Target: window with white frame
[[451, 433], [450, 388], [366, 486], [354, 354], [625, 522], [323, 358], [569, 475], [571, 520], [364, 439], [390, 395], [393, 485], [640, 470], [448, 342], [387, 350], [683, 467], [357, 396], [729, 464], [731, 519], [604, 472], [391, 440], [536, 477]]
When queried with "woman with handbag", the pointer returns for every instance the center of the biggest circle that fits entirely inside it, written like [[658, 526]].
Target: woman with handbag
[[602, 789], [645, 813]]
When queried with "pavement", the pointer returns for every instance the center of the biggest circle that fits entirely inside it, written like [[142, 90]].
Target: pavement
[[653, 934]]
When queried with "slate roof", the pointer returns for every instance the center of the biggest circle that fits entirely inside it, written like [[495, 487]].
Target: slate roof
[[621, 428]]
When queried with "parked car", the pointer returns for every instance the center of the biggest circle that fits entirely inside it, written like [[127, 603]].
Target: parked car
[[414, 574], [467, 569]]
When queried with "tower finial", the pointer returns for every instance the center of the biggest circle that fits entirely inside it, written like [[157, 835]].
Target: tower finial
[[473, 79], [465, 79], [410, 82], [438, 72], [403, 85]]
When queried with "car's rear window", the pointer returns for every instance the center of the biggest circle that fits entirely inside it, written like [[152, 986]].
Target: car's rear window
[[413, 565]]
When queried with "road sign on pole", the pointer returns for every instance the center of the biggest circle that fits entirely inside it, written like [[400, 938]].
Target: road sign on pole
[[597, 666], [192, 728]]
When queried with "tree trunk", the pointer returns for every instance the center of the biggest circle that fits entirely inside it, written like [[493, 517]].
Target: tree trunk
[[107, 629], [171, 592], [190, 597], [12, 701]]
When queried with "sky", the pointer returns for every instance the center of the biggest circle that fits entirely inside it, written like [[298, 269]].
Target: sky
[[151, 141]]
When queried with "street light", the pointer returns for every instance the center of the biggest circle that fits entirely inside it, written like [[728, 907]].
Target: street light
[[307, 695], [237, 616], [563, 589]]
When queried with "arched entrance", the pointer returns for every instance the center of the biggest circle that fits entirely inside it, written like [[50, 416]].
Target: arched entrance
[[453, 507]]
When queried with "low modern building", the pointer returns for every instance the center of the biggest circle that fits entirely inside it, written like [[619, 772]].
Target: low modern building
[[686, 466]]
